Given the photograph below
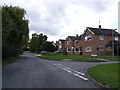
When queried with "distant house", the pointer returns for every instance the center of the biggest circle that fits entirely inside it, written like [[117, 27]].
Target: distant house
[[69, 44], [98, 41], [61, 45], [78, 45]]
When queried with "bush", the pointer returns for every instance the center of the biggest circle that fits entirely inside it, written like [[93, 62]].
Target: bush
[[65, 52]]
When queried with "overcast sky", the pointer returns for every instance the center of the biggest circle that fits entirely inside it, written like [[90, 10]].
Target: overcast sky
[[61, 18]]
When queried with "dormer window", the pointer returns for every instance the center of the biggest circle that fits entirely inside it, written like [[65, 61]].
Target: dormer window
[[101, 37], [116, 38]]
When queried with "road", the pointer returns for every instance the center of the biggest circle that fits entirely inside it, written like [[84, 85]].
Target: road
[[30, 71]]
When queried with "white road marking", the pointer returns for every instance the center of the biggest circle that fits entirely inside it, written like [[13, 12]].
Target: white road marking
[[69, 70]]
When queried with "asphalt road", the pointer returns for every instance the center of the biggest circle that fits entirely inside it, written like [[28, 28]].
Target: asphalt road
[[32, 72]]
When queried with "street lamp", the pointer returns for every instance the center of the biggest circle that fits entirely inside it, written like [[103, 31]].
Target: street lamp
[[113, 43]]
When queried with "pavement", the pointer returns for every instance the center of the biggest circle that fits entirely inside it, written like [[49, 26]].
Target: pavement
[[30, 71]]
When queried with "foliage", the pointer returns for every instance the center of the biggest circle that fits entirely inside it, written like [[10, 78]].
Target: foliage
[[65, 52], [47, 46], [15, 31], [39, 43]]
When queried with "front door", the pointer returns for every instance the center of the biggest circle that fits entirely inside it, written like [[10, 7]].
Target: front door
[[72, 51]]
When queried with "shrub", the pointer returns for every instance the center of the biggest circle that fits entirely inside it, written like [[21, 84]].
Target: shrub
[[65, 52]]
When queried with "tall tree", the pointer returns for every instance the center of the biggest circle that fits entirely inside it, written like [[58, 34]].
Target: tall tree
[[15, 30], [36, 41]]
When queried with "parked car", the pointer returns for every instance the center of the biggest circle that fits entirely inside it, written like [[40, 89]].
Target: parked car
[[58, 52], [44, 52]]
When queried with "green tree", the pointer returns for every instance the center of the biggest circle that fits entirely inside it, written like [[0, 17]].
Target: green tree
[[15, 30], [36, 41]]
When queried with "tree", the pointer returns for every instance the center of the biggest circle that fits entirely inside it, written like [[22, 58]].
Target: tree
[[48, 46], [15, 31], [36, 41]]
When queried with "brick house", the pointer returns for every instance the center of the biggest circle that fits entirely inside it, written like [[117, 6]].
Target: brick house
[[93, 41], [98, 41], [78, 45], [69, 44], [61, 45]]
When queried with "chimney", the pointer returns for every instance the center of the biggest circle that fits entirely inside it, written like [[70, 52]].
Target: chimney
[[99, 27], [76, 35]]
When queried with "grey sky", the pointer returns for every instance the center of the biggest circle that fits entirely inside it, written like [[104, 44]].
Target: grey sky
[[59, 19]]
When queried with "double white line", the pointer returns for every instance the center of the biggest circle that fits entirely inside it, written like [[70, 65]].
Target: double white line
[[71, 71]]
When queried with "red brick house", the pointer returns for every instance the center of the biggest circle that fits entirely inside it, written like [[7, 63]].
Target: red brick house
[[78, 45], [94, 41], [61, 45], [98, 41], [69, 44]]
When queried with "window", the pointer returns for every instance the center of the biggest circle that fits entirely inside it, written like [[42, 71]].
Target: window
[[60, 46], [88, 49], [76, 49], [87, 38], [68, 42], [60, 42], [75, 41], [101, 47], [101, 37], [116, 38], [68, 49]]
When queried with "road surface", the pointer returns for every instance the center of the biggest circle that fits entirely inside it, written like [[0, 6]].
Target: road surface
[[30, 71]]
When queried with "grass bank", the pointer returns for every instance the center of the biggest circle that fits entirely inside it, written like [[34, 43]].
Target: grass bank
[[109, 57], [59, 56], [106, 74], [9, 60]]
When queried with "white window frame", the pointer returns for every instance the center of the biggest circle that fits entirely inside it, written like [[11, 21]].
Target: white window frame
[[116, 38], [68, 42], [60, 46], [88, 47], [87, 38], [68, 49], [101, 37], [60, 42], [100, 47], [76, 49]]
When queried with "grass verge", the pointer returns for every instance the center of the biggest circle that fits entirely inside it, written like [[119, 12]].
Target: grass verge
[[109, 57], [106, 74], [9, 60], [59, 56]]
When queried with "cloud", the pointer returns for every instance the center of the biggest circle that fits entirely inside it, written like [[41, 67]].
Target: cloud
[[59, 19]]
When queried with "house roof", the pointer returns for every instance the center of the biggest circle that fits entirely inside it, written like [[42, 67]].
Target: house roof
[[72, 37], [62, 40], [78, 38], [103, 31]]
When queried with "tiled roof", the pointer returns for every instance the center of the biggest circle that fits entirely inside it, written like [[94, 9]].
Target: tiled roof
[[78, 38], [72, 37], [103, 31], [62, 40]]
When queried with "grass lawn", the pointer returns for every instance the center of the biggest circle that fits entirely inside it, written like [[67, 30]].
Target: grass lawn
[[9, 60], [109, 57], [106, 74], [59, 56]]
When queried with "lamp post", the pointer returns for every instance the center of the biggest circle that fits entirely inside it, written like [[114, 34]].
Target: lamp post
[[113, 43]]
